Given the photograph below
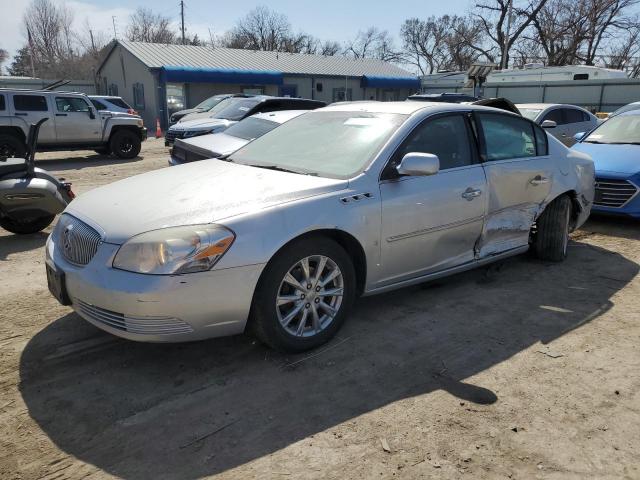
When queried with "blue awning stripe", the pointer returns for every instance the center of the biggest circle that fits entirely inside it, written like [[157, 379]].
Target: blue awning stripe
[[390, 82], [221, 75]]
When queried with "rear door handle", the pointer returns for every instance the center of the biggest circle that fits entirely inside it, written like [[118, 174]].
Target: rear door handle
[[539, 180], [61, 114], [471, 193], [22, 114]]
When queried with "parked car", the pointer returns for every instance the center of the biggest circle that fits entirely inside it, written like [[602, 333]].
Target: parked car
[[615, 149], [443, 97], [627, 108], [73, 124], [204, 106], [561, 120], [500, 103], [347, 200], [224, 143], [111, 104], [231, 111]]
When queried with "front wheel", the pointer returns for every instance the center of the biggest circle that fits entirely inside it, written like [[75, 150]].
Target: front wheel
[[552, 234], [125, 144], [304, 295], [27, 225], [12, 146]]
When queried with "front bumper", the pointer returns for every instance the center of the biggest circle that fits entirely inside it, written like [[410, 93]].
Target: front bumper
[[143, 133], [157, 308], [631, 205]]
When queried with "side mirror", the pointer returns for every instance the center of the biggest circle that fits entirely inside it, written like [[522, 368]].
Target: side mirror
[[419, 164], [579, 136], [92, 113], [549, 124]]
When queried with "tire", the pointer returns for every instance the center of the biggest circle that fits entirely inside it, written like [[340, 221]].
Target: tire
[[103, 151], [30, 225], [125, 144], [267, 320], [12, 146], [552, 234]]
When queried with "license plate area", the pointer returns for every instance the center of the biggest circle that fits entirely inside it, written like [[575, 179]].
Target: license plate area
[[57, 286]]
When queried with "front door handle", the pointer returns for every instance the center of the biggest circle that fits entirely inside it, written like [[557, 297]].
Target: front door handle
[[539, 180], [22, 114], [61, 114], [471, 193]]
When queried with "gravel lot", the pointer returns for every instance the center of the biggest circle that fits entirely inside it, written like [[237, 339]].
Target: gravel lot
[[522, 370]]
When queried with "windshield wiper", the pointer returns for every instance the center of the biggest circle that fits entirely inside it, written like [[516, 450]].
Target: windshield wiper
[[277, 168], [624, 143]]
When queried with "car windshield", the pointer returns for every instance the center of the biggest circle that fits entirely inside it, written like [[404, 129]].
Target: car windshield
[[622, 129], [233, 108], [328, 144], [530, 113], [209, 103], [251, 128], [626, 108]]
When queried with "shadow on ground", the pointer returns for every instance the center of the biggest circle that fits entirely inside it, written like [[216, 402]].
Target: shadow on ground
[[191, 410], [12, 243], [82, 160], [613, 226]]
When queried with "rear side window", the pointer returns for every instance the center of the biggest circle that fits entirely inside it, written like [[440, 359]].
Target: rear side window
[[574, 116], [98, 105], [3, 105], [542, 142], [118, 102], [71, 104], [507, 137], [30, 103], [251, 128], [447, 137]]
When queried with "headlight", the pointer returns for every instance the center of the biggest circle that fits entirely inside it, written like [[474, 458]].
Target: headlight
[[140, 123], [175, 250]]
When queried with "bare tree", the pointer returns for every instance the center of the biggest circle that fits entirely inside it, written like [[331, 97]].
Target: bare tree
[[494, 20], [623, 54], [373, 43], [146, 26]]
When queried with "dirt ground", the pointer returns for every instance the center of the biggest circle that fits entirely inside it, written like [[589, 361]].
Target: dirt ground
[[521, 370]]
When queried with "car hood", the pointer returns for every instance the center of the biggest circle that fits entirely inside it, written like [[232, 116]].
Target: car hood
[[215, 144], [612, 158], [201, 124], [195, 193]]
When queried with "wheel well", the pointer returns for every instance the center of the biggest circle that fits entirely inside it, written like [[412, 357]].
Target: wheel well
[[118, 128], [351, 246], [576, 207], [15, 131]]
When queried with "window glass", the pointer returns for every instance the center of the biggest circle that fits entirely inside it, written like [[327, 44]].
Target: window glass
[[573, 116], [329, 144], [98, 105], [138, 96], [542, 142], [530, 113], [233, 108], [118, 102], [30, 103], [507, 137], [627, 108], [71, 104], [251, 128], [210, 102], [555, 115], [445, 137], [3, 105], [623, 129]]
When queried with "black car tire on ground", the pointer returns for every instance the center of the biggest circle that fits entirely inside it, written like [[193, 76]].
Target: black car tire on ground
[[12, 146], [125, 144], [264, 322], [552, 233], [31, 225]]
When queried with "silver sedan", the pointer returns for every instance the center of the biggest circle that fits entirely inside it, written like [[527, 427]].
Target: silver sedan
[[352, 199]]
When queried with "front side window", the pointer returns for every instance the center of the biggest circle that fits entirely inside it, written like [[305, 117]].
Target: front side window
[[332, 144], [507, 137], [30, 103], [542, 142], [446, 137], [574, 116], [555, 115], [71, 104], [530, 113]]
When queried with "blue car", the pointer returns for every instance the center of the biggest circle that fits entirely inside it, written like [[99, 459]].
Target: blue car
[[614, 147]]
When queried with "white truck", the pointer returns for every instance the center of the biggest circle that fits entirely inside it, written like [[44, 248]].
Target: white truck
[[73, 124]]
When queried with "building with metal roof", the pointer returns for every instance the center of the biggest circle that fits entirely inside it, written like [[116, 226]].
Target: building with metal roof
[[158, 79]]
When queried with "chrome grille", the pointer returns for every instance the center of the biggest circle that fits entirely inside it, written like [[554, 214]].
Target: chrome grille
[[132, 324], [170, 136], [77, 241], [613, 193]]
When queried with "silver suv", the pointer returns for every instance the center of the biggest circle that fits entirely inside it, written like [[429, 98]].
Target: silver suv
[[73, 124]]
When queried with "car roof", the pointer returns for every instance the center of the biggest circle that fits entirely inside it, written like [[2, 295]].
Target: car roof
[[542, 106], [279, 116], [630, 113], [404, 108], [104, 97]]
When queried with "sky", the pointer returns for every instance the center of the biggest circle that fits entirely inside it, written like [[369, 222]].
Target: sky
[[326, 19]]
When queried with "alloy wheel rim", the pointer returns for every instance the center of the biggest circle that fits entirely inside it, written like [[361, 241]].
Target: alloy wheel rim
[[310, 296]]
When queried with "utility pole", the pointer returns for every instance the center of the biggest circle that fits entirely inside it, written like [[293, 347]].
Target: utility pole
[[115, 31], [93, 44], [182, 19], [505, 49]]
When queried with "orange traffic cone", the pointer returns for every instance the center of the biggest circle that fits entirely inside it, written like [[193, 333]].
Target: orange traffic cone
[[158, 129]]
